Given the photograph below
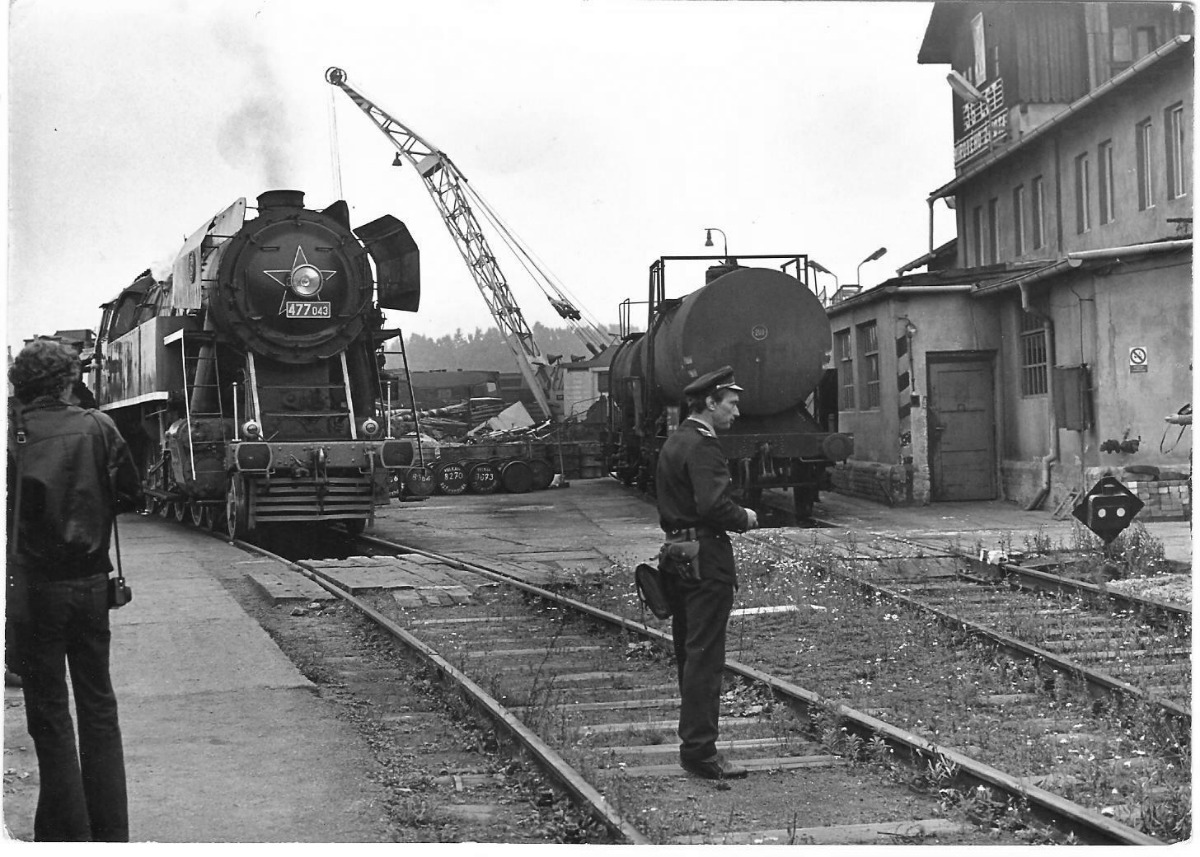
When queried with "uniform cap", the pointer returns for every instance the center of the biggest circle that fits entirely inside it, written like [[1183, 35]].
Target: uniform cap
[[710, 383]]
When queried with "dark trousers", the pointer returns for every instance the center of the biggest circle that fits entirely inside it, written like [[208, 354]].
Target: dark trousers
[[698, 622], [82, 792]]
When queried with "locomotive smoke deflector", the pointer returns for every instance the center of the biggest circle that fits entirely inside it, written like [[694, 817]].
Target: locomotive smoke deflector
[[397, 262]]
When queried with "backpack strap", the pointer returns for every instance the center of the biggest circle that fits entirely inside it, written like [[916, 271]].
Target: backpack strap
[[16, 445]]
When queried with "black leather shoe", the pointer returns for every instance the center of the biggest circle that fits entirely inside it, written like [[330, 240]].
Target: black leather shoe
[[714, 768]]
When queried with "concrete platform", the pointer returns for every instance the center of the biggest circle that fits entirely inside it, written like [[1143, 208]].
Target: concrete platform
[[570, 528], [225, 740]]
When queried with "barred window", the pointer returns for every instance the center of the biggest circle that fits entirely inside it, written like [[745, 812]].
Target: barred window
[[845, 368], [1033, 356], [868, 350]]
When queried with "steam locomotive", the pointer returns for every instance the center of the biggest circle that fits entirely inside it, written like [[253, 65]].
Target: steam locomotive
[[247, 383], [775, 334]]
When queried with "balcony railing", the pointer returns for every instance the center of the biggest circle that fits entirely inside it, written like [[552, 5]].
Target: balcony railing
[[984, 122]]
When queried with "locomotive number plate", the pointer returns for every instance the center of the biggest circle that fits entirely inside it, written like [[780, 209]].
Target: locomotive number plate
[[308, 309]]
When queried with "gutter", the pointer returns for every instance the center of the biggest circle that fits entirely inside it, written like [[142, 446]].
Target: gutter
[[1075, 260], [1099, 92]]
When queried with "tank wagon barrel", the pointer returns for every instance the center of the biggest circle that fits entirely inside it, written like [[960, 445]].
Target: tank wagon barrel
[[775, 334], [247, 381]]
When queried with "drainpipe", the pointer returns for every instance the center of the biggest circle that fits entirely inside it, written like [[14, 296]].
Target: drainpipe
[[1052, 422]]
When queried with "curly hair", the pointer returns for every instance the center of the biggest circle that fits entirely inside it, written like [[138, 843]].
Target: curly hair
[[43, 368]]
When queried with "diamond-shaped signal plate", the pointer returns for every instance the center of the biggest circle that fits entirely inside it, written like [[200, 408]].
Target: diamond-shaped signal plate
[[1107, 508]]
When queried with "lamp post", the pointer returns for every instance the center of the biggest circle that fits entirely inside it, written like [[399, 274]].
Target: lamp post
[[708, 231], [818, 267], [870, 258]]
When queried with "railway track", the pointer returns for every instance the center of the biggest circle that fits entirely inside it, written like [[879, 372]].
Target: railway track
[[590, 694]]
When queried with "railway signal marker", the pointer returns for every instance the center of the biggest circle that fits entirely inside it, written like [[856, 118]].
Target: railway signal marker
[[1107, 508]]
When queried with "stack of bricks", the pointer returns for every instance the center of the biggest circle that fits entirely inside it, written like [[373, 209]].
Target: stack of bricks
[[1165, 501]]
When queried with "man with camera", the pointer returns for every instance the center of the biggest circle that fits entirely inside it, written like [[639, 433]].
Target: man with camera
[[68, 472], [695, 507]]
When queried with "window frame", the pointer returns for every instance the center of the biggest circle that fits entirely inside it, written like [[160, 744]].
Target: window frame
[[1083, 193], [993, 230], [1034, 356], [867, 340], [1175, 141], [977, 234], [844, 354], [1105, 178], [1018, 220], [1038, 194], [1143, 133]]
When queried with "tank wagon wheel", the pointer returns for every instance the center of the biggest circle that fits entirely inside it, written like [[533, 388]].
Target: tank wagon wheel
[[543, 473], [451, 478], [481, 478], [237, 508], [419, 481]]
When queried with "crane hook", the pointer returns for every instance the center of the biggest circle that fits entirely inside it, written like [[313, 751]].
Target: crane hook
[[335, 75]]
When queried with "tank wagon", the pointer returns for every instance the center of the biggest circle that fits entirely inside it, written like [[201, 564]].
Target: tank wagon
[[247, 382], [775, 334]]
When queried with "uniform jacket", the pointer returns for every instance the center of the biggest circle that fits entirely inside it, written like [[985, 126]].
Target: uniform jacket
[[76, 473], [693, 487]]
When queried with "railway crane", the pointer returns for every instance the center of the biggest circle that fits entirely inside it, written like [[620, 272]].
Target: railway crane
[[452, 195]]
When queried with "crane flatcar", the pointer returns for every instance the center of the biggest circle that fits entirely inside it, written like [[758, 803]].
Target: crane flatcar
[[775, 334], [247, 382]]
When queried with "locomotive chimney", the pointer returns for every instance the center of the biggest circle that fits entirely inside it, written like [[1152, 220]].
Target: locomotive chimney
[[280, 199]]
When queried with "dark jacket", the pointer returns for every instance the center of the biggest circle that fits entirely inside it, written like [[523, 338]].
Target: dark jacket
[[76, 473], [693, 489]]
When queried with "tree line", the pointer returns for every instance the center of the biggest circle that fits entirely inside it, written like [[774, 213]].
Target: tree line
[[486, 349]]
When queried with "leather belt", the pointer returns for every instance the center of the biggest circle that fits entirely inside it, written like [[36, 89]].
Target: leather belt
[[689, 534]]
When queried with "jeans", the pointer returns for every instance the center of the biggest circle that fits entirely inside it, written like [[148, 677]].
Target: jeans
[[82, 794], [700, 616]]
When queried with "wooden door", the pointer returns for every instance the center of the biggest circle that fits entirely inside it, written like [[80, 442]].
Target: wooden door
[[962, 436]]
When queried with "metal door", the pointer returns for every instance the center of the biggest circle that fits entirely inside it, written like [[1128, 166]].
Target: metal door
[[962, 450]]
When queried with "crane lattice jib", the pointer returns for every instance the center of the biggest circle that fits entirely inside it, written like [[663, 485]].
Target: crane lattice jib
[[445, 185]]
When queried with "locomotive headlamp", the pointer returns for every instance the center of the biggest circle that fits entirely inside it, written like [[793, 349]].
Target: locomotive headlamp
[[251, 429], [369, 427], [305, 281]]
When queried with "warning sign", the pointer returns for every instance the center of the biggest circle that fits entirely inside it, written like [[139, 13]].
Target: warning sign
[[1138, 359]]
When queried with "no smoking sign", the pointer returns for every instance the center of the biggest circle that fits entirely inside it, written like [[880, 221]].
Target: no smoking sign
[[1139, 359]]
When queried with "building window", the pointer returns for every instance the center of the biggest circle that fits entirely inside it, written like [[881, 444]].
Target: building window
[[1145, 166], [845, 368], [1033, 356], [1039, 213], [1145, 39], [1105, 167], [1176, 153], [1083, 193], [977, 233], [993, 231], [980, 69], [868, 350], [1018, 220]]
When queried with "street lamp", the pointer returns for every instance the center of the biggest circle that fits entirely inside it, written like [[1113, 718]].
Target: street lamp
[[708, 231], [821, 269], [870, 258]]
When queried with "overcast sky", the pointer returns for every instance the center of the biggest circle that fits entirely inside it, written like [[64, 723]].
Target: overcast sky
[[605, 133]]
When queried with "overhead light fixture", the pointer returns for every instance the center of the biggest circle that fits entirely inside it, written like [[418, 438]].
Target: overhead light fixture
[[963, 87]]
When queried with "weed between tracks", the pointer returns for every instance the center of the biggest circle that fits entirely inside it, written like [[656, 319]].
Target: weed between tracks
[[1129, 762]]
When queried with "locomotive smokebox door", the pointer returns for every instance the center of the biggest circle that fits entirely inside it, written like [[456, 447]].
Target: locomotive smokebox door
[[397, 262], [1107, 508]]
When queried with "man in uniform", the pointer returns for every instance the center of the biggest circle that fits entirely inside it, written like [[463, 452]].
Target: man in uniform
[[694, 503]]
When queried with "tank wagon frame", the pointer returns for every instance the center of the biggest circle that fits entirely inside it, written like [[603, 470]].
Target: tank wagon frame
[[247, 382], [774, 331]]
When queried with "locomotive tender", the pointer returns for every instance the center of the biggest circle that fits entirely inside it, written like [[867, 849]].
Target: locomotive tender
[[775, 334], [247, 383]]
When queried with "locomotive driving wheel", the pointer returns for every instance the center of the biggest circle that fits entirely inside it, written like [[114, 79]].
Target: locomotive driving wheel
[[237, 508]]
